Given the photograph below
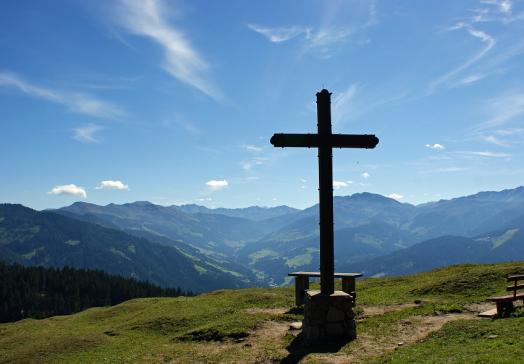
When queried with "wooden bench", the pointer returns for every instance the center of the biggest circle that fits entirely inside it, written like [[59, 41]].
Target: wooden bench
[[302, 283], [505, 303]]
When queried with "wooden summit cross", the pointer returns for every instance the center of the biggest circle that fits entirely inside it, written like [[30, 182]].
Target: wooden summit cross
[[325, 141]]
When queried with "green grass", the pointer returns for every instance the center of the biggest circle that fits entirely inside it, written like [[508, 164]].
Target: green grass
[[211, 327], [473, 341], [136, 328], [459, 284]]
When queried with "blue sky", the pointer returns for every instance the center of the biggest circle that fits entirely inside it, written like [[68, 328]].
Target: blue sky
[[175, 101]]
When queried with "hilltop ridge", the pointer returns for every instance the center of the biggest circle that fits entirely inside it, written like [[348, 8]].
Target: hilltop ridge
[[424, 318]]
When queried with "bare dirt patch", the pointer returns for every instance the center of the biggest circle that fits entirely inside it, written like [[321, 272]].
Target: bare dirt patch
[[409, 331], [479, 307], [268, 311], [264, 344], [380, 310]]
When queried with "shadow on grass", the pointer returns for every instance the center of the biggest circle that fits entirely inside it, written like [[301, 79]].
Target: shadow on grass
[[298, 349], [295, 310]]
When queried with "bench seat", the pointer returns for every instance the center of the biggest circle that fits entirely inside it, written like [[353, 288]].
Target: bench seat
[[302, 283], [505, 303]]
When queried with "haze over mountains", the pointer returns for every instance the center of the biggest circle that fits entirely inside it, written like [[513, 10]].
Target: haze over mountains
[[198, 248]]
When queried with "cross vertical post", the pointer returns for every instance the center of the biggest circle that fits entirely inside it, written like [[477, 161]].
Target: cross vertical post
[[325, 141], [325, 192]]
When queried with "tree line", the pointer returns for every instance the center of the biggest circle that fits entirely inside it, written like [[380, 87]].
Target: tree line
[[39, 292]]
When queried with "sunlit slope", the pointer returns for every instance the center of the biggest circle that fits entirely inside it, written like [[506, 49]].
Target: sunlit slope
[[250, 325]]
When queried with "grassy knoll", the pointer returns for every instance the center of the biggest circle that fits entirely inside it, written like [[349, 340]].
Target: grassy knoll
[[250, 325], [472, 341]]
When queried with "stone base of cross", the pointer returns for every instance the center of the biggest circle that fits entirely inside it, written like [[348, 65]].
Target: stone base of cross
[[327, 313], [328, 316]]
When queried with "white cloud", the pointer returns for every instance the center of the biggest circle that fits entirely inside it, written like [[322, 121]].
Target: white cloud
[[353, 102], [278, 35], [435, 146], [322, 41], [249, 164], [71, 189], [79, 103], [339, 184], [204, 199], [86, 133], [472, 79], [112, 185], [504, 6], [365, 175], [487, 154], [343, 104], [504, 109], [444, 170], [190, 127], [484, 37], [510, 131], [252, 148], [395, 196], [217, 184], [148, 19], [494, 140]]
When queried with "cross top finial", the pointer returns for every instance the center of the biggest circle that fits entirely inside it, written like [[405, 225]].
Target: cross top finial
[[324, 92]]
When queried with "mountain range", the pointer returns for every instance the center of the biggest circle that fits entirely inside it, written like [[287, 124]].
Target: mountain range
[[49, 239], [219, 248]]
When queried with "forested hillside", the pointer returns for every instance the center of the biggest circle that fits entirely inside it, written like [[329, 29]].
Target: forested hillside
[[39, 292]]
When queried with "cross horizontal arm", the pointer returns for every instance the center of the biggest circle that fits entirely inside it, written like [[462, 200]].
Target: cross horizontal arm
[[353, 141], [294, 140], [334, 140]]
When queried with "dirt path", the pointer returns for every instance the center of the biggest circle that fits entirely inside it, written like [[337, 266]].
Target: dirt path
[[265, 342], [269, 311], [380, 310], [409, 331]]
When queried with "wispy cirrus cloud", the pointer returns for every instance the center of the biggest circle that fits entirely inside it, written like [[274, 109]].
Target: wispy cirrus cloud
[[503, 109], [86, 133], [76, 102], [252, 148], [503, 137], [496, 11], [485, 62], [488, 41], [249, 164], [443, 170], [355, 101], [323, 40], [487, 154], [343, 104], [70, 189], [147, 18], [280, 34]]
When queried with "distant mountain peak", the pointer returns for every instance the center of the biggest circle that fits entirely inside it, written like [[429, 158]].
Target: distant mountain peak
[[139, 203]]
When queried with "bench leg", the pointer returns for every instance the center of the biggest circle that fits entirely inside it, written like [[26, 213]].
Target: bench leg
[[504, 308], [349, 286], [301, 285]]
